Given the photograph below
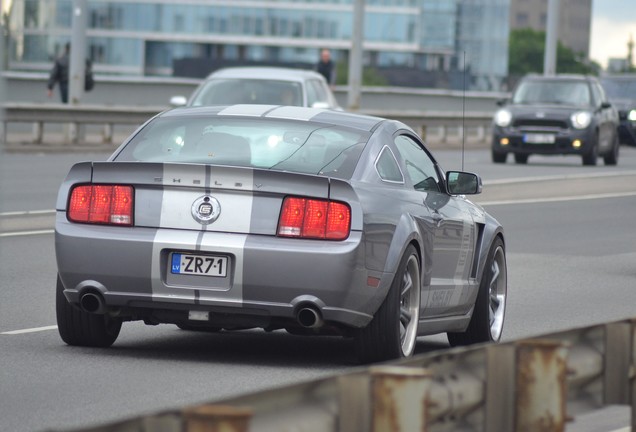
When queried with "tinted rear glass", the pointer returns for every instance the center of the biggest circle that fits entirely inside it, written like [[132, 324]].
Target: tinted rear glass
[[249, 91], [283, 145], [553, 92]]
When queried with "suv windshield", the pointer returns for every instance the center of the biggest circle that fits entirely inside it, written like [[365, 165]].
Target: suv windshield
[[283, 145], [249, 91], [557, 92]]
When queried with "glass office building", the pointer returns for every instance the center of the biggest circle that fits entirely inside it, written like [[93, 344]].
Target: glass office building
[[150, 37]]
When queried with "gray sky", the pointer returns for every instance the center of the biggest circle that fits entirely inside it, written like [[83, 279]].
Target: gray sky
[[613, 21]]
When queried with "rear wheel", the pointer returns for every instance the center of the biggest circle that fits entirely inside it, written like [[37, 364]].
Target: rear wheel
[[393, 330], [486, 324], [80, 328], [521, 158]]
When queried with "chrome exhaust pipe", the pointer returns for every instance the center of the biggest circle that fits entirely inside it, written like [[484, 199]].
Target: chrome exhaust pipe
[[92, 303], [309, 317]]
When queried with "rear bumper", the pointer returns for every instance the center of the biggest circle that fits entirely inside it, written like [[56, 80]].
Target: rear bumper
[[268, 278]]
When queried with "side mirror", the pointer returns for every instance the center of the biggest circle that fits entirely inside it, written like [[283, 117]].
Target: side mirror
[[463, 183], [606, 105], [177, 101], [501, 102]]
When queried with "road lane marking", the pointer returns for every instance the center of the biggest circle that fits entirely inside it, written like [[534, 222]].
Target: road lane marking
[[30, 330], [26, 233], [514, 180], [557, 199], [27, 213]]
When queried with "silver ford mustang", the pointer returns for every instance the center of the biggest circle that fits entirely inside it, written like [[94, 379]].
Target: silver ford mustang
[[309, 220]]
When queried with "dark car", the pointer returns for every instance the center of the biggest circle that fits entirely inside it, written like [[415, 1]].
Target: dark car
[[621, 91], [556, 115], [310, 220]]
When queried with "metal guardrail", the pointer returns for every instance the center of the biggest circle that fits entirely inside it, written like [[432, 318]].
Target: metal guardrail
[[443, 127], [536, 384], [77, 115]]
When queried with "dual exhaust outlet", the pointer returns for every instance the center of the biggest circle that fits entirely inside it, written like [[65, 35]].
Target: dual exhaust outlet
[[308, 316]]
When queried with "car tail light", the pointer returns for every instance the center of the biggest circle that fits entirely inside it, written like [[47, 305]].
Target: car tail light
[[101, 204], [314, 219]]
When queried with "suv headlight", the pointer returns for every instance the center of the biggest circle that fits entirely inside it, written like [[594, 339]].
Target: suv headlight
[[632, 115], [581, 119], [503, 117]]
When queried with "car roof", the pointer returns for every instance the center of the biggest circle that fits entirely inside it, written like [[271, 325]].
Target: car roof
[[265, 72], [316, 115], [559, 77]]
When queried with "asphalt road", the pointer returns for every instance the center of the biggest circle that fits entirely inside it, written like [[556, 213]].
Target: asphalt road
[[571, 254]]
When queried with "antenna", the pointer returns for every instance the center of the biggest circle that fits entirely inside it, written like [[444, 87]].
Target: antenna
[[464, 111]]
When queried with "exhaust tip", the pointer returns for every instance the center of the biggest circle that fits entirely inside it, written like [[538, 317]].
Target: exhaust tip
[[309, 317], [92, 303]]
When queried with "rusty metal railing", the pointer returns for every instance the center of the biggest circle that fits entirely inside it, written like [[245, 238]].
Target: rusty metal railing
[[536, 384]]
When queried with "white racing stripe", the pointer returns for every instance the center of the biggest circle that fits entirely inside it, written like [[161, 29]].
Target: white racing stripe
[[30, 330]]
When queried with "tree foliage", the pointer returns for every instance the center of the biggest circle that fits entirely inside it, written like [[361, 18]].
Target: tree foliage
[[526, 53]]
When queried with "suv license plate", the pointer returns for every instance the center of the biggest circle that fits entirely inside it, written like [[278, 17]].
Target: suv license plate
[[538, 138], [200, 265]]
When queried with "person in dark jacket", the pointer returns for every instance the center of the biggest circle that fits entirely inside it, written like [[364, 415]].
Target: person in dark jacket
[[59, 74], [326, 67]]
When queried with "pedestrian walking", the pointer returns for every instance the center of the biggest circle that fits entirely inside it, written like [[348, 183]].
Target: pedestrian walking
[[326, 67], [59, 74]]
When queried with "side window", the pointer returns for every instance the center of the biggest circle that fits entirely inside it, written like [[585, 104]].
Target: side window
[[599, 94], [388, 168], [419, 166]]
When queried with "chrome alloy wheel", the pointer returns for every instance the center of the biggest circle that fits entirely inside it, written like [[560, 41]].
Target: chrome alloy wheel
[[409, 305], [497, 293]]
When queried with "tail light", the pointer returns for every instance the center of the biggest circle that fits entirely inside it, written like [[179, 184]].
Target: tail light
[[314, 219], [101, 204]]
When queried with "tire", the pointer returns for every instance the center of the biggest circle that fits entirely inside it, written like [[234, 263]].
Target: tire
[[80, 328], [392, 332], [486, 324], [612, 157], [521, 158], [499, 157], [589, 158]]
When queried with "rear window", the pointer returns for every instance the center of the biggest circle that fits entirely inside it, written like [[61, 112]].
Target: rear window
[[553, 92], [249, 91], [282, 145]]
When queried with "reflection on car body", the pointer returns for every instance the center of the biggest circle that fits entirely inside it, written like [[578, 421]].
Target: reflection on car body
[[562, 114], [313, 221]]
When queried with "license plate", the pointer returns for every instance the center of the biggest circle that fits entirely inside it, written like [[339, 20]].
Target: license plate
[[538, 138], [200, 265]]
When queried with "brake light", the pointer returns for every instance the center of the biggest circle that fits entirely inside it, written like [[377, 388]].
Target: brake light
[[315, 219], [101, 204]]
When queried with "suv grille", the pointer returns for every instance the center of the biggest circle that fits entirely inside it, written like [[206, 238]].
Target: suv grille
[[541, 123]]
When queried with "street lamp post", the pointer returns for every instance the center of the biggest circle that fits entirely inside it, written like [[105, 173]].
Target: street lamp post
[[355, 56], [551, 38]]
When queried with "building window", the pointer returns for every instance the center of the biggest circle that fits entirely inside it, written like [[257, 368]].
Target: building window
[[521, 19]]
